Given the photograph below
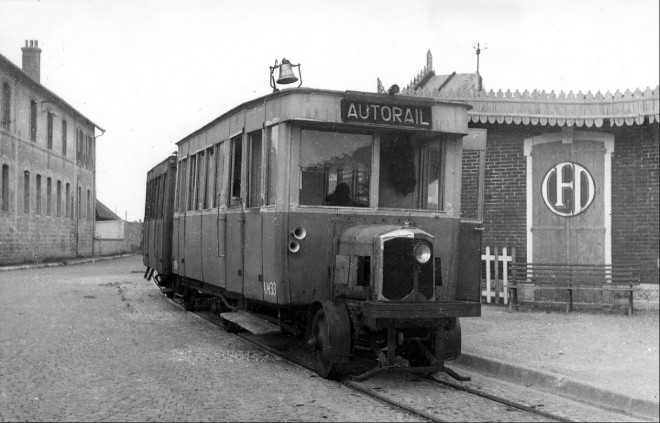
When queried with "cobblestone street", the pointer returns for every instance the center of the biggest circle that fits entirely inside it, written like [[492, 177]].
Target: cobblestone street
[[98, 342]]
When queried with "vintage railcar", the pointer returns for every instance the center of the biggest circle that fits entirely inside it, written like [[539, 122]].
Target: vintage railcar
[[337, 214]]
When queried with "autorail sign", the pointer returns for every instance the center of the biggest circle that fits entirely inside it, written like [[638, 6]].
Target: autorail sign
[[384, 113]]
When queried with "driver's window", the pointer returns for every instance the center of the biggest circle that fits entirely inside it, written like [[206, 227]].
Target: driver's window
[[335, 168], [411, 173]]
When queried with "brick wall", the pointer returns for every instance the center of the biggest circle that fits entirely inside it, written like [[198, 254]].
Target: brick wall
[[505, 184], [635, 206], [470, 184], [635, 192]]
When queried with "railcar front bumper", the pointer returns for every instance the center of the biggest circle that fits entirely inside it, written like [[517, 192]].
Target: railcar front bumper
[[393, 316], [415, 310]]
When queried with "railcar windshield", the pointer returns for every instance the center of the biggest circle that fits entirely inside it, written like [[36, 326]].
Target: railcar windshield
[[411, 173], [335, 168]]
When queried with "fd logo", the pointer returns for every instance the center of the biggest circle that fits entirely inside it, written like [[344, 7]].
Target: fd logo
[[568, 189]]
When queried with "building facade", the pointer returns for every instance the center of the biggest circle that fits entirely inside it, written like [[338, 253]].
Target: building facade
[[568, 178], [47, 161]]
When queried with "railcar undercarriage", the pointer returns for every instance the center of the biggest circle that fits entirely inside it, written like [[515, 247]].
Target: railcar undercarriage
[[402, 336]]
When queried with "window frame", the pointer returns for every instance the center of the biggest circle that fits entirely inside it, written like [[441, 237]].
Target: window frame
[[5, 116], [372, 170], [64, 137], [254, 197], [50, 125], [33, 120], [4, 188], [26, 192], [235, 178]]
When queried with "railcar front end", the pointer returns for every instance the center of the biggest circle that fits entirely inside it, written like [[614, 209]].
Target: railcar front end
[[339, 212]]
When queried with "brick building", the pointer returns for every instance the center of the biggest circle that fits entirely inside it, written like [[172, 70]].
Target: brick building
[[47, 161], [568, 178]]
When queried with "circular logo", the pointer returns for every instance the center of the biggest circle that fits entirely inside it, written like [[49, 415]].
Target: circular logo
[[568, 189]]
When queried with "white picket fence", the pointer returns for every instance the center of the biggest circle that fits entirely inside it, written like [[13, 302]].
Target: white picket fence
[[496, 286]]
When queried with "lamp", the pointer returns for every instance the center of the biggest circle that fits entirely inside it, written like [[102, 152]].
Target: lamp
[[287, 76]]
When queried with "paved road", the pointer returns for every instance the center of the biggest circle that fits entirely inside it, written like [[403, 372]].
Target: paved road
[[98, 342]]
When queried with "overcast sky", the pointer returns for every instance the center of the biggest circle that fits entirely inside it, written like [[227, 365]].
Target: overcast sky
[[151, 72]]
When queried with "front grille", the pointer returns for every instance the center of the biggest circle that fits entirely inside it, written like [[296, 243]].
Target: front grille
[[399, 267]]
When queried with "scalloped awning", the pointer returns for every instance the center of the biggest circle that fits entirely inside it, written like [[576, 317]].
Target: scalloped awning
[[541, 108]]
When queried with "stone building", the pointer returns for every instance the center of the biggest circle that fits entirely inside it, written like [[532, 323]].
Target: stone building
[[47, 161], [568, 177]]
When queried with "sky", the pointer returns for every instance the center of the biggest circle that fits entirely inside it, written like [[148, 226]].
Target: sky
[[150, 72]]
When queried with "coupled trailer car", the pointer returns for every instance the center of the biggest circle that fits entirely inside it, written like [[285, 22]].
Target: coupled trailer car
[[334, 215]]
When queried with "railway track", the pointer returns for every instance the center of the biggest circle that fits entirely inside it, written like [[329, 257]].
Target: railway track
[[430, 398]]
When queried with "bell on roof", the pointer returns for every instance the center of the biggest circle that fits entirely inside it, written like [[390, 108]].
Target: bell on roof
[[286, 75]]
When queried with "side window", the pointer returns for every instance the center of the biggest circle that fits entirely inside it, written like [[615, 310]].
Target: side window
[[49, 196], [220, 173], [147, 202], [236, 168], [58, 210], [89, 205], [26, 192], [38, 196], [182, 172], [272, 150], [6, 106], [64, 135], [335, 168], [156, 198], [254, 182], [67, 200], [209, 194], [33, 120], [5, 187], [78, 145], [49, 130], [79, 199], [192, 180], [432, 180], [201, 181]]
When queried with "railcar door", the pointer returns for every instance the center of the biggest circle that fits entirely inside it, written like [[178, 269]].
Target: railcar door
[[253, 262], [235, 217], [471, 225]]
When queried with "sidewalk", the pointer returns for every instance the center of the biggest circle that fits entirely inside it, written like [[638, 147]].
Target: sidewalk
[[63, 262], [603, 358]]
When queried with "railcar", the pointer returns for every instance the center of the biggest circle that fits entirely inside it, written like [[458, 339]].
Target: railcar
[[334, 215]]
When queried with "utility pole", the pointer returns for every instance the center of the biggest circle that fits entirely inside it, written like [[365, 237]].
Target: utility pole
[[478, 49]]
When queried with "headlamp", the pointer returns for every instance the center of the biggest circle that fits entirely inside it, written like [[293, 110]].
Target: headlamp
[[422, 253]]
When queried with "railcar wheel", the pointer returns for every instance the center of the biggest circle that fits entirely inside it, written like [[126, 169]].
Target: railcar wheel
[[171, 287], [189, 299], [320, 341]]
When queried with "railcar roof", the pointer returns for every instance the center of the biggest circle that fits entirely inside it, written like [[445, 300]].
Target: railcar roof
[[293, 91]]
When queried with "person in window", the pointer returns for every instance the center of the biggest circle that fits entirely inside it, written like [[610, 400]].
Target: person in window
[[341, 196]]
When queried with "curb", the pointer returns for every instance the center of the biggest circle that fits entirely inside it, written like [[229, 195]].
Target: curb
[[70, 262], [561, 385]]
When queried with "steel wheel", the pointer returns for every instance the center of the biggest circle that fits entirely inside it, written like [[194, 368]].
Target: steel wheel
[[189, 299], [321, 344]]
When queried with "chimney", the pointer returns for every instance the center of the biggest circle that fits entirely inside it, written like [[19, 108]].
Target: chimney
[[32, 59]]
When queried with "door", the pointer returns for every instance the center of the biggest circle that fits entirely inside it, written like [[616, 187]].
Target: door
[[235, 218], [568, 218], [569, 202], [468, 287]]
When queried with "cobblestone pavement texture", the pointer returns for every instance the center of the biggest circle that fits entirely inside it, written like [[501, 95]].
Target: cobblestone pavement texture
[[96, 342], [609, 351]]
